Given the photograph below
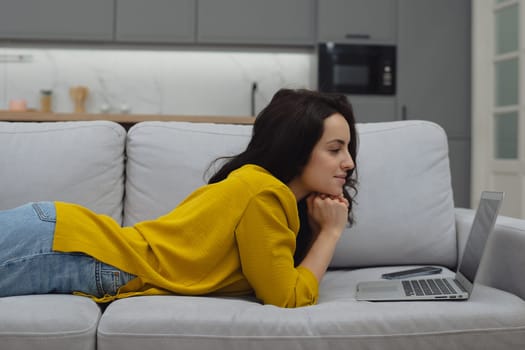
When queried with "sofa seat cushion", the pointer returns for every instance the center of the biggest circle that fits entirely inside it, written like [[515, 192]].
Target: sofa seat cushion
[[489, 319], [48, 322]]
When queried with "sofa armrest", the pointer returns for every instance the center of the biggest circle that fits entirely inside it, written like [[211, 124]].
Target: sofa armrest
[[503, 262]]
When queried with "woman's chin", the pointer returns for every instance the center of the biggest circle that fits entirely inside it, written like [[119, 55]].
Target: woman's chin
[[335, 192]]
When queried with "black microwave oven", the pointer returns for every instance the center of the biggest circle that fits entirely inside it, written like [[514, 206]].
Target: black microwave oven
[[357, 69]]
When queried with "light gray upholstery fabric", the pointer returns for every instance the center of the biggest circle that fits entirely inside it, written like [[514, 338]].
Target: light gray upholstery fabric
[[405, 210], [80, 162], [490, 319], [48, 322], [404, 200], [167, 161], [503, 262], [77, 162]]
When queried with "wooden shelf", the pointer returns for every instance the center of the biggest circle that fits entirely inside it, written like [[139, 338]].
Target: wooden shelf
[[29, 116]]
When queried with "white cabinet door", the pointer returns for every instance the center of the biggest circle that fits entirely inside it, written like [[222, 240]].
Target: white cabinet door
[[498, 126]]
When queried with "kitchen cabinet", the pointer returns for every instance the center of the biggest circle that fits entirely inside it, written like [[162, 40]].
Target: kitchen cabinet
[[433, 76], [156, 21], [373, 109], [250, 22], [69, 20], [357, 21], [459, 158], [290, 22]]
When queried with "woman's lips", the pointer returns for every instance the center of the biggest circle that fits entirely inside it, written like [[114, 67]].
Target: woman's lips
[[342, 179]]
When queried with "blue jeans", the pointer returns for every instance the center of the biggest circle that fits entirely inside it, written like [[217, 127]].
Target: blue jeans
[[28, 265]]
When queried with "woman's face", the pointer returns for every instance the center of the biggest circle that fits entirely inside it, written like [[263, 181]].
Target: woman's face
[[329, 161]]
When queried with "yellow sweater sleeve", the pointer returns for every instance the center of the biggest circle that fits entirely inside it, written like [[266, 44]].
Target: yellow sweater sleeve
[[266, 247]]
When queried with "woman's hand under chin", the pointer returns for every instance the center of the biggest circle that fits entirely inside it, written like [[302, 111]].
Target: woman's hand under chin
[[328, 216], [327, 213]]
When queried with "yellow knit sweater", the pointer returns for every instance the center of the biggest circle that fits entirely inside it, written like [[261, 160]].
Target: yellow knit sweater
[[233, 237]]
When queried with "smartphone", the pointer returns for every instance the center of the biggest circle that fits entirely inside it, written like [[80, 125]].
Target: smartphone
[[419, 271]]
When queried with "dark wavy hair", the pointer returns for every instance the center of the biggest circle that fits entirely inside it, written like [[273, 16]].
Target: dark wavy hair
[[283, 137]]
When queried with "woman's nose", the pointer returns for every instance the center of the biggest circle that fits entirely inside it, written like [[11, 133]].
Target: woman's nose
[[348, 163]]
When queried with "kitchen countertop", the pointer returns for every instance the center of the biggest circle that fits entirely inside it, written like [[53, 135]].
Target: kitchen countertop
[[31, 116]]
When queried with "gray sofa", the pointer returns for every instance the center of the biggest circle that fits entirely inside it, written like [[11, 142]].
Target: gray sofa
[[405, 216]]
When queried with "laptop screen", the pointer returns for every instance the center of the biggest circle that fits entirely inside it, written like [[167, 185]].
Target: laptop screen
[[481, 227]]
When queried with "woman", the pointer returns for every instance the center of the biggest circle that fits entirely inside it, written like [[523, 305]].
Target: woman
[[284, 197]]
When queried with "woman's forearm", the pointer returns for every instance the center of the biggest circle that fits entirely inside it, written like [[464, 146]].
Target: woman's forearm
[[320, 254]]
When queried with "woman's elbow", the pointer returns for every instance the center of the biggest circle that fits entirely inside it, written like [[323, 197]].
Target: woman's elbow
[[291, 299]]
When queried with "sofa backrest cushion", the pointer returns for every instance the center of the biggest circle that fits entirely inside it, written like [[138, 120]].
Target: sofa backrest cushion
[[168, 160], [79, 162], [404, 212]]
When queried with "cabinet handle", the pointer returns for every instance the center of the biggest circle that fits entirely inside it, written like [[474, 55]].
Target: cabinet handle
[[357, 36], [254, 89]]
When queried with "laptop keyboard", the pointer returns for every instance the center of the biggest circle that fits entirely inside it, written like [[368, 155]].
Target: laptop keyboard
[[435, 286]]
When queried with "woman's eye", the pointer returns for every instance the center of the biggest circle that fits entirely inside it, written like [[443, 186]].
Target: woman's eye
[[335, 150]]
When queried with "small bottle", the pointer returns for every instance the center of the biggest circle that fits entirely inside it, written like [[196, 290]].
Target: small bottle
[[45, 101]]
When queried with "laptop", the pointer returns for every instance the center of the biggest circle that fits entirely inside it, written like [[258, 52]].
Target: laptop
[[443, 288]]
